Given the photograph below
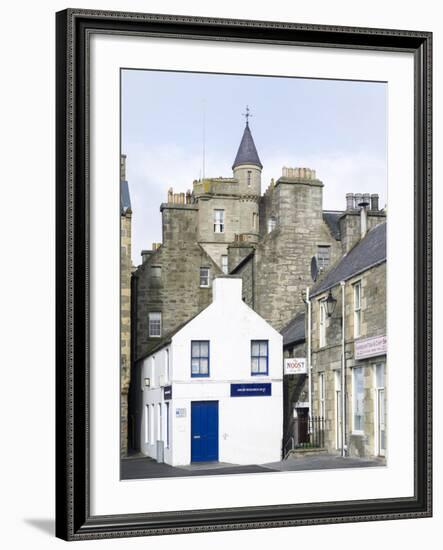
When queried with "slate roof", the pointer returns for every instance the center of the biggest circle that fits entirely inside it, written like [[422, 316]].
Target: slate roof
[[294, 331], [247, 153], [368, 252], [125, 199], [331, 218]]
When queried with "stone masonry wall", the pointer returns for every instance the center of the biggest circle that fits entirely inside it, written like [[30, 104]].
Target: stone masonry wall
[[125, 325], [283, 255], [176, 294], [327, 359]]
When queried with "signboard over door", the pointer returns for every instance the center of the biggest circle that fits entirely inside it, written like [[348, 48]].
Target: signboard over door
[[295, 365]]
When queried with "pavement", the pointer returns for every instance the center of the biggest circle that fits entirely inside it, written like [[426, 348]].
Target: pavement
[[142, 467]]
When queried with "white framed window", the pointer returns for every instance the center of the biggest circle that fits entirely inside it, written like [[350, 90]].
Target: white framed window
[[357, 309], [272, 222], [224, 261], [322, 323], [204, 276], [358, 399], [159, 423], [156, 271], [147, 425], [323, 256], [151, 425], [380, 410], [167, 426], [219, 221], [155, 324], [321, 395]]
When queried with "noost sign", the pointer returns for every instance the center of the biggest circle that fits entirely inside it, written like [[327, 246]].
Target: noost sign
[[295, 365]]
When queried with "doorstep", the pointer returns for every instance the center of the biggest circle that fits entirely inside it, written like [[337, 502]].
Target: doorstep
[[302, 453]]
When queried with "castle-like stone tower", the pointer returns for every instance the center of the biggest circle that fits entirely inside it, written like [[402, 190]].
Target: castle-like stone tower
[[228, 208]]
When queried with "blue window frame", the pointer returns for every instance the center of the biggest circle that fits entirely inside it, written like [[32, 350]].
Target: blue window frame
[[259, 357], [199, 358]]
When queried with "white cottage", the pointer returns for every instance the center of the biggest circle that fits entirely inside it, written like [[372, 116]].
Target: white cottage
[[212, 391]]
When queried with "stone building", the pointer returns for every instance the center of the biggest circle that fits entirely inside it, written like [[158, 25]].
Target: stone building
[[352, 334], [225, 225], [125, 301], [347, 231], [293, 228]]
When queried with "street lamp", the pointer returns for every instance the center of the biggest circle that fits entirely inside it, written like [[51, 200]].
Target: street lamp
[[331, 302]]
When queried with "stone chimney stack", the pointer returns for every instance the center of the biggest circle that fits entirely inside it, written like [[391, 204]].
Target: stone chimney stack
[[350, 201], [374, 202]]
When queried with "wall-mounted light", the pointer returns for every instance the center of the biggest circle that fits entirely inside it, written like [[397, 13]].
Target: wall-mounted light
[[147, 382], [331, 302]]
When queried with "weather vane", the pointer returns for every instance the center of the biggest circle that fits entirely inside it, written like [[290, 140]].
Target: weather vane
[[247, 114]]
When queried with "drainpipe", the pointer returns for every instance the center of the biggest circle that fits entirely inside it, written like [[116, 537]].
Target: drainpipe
[[308, 354], [343, 373]]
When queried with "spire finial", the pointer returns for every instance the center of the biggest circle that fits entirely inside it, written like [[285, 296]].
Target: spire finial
[[247, 115]]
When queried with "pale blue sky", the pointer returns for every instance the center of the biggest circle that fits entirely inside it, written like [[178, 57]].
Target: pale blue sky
[[338, 128]]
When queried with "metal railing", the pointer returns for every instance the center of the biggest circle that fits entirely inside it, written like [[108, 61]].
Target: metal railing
[[305, 433]]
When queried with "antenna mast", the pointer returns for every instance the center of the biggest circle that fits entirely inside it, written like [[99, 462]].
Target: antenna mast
[[204, 140]]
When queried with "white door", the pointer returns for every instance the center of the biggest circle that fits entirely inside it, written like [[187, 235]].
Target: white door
[[380, 416], [338, 415]]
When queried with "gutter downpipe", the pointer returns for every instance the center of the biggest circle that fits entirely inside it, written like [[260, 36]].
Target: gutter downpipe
[[308, 301], [343, 373]]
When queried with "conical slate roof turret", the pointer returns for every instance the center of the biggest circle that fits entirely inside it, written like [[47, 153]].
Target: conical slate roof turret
[[247, 153]]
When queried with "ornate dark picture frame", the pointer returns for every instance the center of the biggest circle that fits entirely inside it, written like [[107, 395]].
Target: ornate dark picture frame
[[73, 518]]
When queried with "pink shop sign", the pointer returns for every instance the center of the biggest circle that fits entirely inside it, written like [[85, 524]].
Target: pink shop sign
[[370, 347]]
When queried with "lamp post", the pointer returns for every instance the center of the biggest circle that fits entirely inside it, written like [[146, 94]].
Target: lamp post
[[331, 302]]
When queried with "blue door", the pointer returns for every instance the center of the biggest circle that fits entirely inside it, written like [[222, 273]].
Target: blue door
[[204, 431]]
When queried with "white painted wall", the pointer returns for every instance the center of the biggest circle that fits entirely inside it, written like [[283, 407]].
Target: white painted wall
[[250, 428]]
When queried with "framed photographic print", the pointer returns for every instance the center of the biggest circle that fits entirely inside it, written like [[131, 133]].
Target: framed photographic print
[[243, 274]]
